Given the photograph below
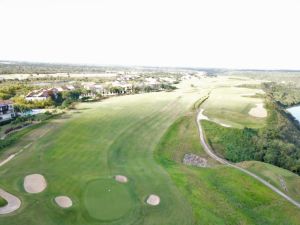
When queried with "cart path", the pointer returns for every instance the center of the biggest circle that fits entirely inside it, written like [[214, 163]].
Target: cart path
[[211, 153], [13, 203]]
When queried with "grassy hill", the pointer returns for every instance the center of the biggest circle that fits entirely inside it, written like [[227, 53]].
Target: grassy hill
[[285, 180], [219, 194]]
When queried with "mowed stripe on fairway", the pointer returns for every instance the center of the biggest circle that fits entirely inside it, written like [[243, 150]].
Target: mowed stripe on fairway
[[116, 136]]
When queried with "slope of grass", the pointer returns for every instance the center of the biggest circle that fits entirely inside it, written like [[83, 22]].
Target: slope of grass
[[219, 195], [274, 174]]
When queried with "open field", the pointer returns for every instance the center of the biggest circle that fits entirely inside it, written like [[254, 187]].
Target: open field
[[98, 141], [143, 137]]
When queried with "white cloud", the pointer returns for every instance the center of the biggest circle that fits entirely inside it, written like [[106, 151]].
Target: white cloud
[[211, 33]]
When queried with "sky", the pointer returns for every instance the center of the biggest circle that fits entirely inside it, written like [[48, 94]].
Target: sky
[[241, 34]]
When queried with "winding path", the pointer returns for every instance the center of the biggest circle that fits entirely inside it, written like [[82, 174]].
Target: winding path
[[13, 203], [211, 153]]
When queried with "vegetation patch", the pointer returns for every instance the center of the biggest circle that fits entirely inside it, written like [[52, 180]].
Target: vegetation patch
[[277, 143], [3, 202], [284, 94]]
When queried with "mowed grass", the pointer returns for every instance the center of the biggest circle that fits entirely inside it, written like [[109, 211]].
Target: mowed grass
[[274, 174], [98, 141], [108, 200], [229, 105], [219, 194]]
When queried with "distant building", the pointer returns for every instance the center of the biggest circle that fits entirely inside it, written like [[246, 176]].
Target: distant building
[[65, 88], [7, 111], [125, 87], [41, 94], [151, 81], [88, 85]]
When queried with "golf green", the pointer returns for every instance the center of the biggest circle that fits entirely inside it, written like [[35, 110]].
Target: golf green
[[107, 200]]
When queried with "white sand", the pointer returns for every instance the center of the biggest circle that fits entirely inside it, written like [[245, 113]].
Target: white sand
[[63, 201], [258, 111], [224, 125], [121, 179], [13, 203], [34, 183], [203, 117], [153, 200]]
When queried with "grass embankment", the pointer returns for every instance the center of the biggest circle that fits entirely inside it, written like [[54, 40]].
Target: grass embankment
[[219, 195], [284, 180]]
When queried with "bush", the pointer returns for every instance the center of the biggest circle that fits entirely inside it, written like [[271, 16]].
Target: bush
[[278, 143]]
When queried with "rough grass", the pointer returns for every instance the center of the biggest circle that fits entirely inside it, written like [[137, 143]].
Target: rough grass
[[273, 174], [3, 202], [219, 195], [232, 143]]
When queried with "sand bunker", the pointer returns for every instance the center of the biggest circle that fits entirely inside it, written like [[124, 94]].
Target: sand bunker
[[258, 111], [153, 200], [34, 183], [224, 125], [63, 201], [203, 117], [13, 203], [121, 179]]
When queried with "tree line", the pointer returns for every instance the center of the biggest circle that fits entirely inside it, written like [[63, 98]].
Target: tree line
[[278, 143]]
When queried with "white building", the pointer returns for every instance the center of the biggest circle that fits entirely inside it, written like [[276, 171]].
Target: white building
[[41, 94], [7, 111]]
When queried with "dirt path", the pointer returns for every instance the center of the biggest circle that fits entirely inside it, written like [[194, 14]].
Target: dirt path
[[13, 203], [13, 155], [211, 153]]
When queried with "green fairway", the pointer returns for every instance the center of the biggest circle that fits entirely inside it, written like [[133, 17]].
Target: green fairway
[[107, 200], [230, 105], [100, 140]]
